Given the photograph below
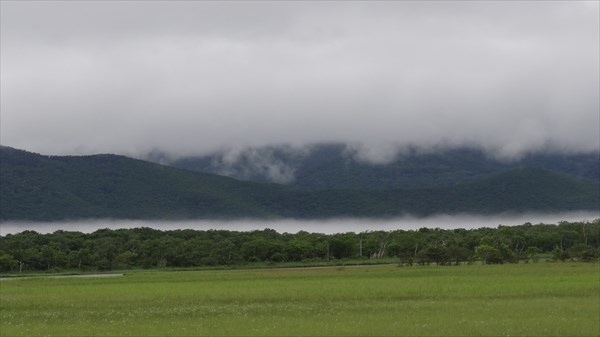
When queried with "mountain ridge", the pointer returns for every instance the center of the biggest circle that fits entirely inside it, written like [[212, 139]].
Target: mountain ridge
[[336, 165], [43, 188]]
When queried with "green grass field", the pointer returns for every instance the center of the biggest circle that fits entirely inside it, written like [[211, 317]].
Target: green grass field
[[540, 299]]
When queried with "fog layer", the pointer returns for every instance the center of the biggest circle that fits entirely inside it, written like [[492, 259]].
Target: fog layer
[[191, 77], [328, 226]]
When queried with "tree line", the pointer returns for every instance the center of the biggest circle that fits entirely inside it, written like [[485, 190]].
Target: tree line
[[107, 249]]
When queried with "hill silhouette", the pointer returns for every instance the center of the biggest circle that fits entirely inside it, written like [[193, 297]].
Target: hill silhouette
[[41, 188], [337, 166]]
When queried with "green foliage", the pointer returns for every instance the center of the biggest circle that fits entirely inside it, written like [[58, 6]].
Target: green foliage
[[333, 166], [7, 262], [107, 249], [41, 188], [583, 252]]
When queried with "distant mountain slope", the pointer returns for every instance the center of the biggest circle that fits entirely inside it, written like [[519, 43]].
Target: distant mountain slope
[[36, 187], [44, 188], [333, 166]]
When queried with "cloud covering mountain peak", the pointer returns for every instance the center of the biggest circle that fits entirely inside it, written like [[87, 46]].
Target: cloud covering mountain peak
[[193, 77]]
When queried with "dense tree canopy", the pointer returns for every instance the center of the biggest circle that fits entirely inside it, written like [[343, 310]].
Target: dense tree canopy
[[333, 166], [107, 249], [42, 188]]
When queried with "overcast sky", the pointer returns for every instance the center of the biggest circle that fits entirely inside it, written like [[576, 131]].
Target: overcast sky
[[81, 77]]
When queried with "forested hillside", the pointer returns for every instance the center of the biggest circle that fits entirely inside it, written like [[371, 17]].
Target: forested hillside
[[36, 187], [335, 166]]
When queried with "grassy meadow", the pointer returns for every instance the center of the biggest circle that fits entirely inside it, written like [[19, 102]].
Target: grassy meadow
[[537, 299]]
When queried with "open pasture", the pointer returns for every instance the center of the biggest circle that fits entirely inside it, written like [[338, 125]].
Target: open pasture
[[539, 299]]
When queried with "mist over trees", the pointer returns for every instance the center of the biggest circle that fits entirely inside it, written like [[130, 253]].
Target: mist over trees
[[107, 249], [45, 188], [341, 166]]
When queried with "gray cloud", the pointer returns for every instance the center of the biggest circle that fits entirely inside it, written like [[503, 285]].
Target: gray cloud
[[194, 77], [258, 161], [327, 226]]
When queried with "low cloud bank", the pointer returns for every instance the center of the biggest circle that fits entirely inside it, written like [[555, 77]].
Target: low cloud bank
[[328, 226], [190, 78]]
